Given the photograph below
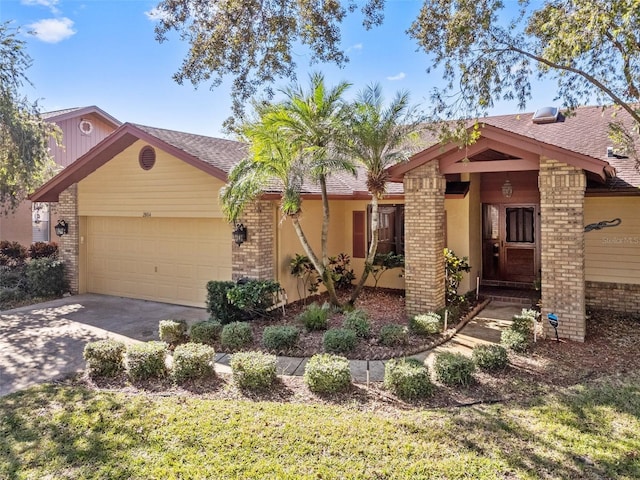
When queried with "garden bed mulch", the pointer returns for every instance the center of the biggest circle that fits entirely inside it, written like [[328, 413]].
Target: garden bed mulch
[[608, 353]]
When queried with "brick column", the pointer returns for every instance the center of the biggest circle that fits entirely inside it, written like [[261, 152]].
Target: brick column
[[562, 189], [68, 245], [255, 258], [424, 239]]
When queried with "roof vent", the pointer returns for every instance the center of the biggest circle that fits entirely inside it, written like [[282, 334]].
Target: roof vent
[[147, 158], [546, 115]]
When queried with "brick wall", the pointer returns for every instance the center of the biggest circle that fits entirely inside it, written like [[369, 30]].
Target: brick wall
[[69, 244], [618, 297], [424, 239], [562, 189], [255, 258]]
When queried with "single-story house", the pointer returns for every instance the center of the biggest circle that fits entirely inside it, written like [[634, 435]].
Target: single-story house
[[82, 128], [145, 222]]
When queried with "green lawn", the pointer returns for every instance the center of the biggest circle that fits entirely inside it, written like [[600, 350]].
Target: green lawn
[[58, 432]]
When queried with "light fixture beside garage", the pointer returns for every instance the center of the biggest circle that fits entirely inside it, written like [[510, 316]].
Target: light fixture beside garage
[[240, 234], [61, 228]]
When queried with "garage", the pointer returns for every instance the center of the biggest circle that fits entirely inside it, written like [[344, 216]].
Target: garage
[[162, 259]]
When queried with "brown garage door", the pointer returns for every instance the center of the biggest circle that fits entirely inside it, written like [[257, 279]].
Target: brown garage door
[[162, 259]]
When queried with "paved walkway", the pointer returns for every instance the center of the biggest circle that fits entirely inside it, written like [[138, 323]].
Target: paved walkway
[[44, 342]]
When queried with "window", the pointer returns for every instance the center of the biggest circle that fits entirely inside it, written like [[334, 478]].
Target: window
[[520, 224], [390, 228]]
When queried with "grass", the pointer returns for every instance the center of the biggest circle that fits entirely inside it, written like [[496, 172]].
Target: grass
[[73, 432]]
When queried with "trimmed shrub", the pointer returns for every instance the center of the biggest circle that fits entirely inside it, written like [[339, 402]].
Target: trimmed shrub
[[280, 338], [426, 324], [11, 295], [146, 360], [326, 373], [253, 297], [522, 323], [218, 304], [515, 340], [12, 254], [453, 368], [315, 317], [490, 357], [45, 277], [236, 335], [393, 335], [357, 321], [192, 360], [408, 378], [339, 340], [105, 358], [205, 332], [172, 331], [43, 250], [253, 370]]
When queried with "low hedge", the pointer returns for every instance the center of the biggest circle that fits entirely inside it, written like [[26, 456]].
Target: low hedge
[[408, 378], [426, 324], [172, 331], [326, 373], [280, 338], [207, 332], [315, 317], [357, 321], [236, 336], [393, 335], [192, 361], [453, 368], [339, 340], [146, 360], [490, 357], [105, 358], [253, 370]]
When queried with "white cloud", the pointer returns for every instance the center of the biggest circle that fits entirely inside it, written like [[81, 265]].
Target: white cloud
[[51, 4], [357, 46], [53, 30], [399, 76], [155, 14]]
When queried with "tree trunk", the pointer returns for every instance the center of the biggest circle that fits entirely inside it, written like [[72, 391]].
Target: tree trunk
[[371, 254], [327, 279]]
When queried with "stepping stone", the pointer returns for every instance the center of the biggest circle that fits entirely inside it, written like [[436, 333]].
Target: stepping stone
[[288, 365]]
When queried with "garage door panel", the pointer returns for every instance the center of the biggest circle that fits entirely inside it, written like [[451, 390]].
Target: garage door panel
[[163, 259]]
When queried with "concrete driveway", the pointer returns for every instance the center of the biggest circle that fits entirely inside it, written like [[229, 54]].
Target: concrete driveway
[[44, 342]]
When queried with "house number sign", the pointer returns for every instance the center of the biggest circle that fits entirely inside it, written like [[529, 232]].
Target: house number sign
[[146, 214], [603, 224]]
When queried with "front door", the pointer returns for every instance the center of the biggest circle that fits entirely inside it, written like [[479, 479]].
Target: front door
[[510, 242]]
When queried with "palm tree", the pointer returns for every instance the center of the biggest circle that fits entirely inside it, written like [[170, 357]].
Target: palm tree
[[290, 142], [379, 137]]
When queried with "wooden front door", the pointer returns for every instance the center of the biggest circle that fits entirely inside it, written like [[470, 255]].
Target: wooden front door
[[510, 244]]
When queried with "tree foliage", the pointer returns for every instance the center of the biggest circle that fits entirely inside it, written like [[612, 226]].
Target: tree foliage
[[255, 43], [24, 136], [592, 50]]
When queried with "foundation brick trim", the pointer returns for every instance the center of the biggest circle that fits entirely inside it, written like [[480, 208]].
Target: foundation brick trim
[[69, 244], [424, 220], [617, 297], [254, 259], [562, 189]]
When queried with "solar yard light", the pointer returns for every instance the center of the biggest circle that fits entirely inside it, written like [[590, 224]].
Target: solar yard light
[[553, 321]]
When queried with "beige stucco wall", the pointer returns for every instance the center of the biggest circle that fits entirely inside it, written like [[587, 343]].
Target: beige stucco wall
[[464, 229], [340, 241], [613, 254], [172, 188]]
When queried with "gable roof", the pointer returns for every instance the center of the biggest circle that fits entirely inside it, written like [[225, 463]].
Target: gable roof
[[60, 115], [214, 156], [581, 139]]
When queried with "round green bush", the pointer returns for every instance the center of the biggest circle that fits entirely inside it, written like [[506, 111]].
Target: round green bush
[[105, 358], [253, 370], [280, 338], [523, 323], [45, 277], [192, 360], [206, 332], [339, 340], [326, 373], [515, 340], [315, 317], [172, 331], [426, 324], [490, 357], [357, 321], [236, 335], [453, 368], [408, 378], [146, 360], [393, 335]]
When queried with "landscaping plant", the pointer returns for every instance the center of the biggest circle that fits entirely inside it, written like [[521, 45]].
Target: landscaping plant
[[393, 335], [357, 321], [426, 324], [253, 370], [315, 317], [455, 268], [146, 360], [327, 373], [339, 340], [192, 361], [105, 358], [172, 331], [236, 336], [490, 357], [408, 378], [453, 369], [280, 338], [207, 332]]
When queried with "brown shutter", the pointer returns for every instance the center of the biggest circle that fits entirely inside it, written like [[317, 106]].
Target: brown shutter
[[359, 234]]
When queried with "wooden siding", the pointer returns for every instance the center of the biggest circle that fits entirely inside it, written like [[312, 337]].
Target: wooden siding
[[171, 188], [77, 143], [162, 259], [612, 255]]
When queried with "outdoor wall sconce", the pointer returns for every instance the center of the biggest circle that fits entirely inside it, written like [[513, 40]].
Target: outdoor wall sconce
[[61, 228], [507, 189], [240, 234]]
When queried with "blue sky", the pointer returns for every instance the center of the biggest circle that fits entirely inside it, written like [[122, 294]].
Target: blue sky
[[104, 53]]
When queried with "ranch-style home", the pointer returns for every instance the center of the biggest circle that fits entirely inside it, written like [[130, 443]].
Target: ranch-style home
[[541, 200], [82, 128]]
